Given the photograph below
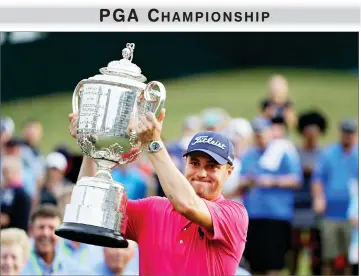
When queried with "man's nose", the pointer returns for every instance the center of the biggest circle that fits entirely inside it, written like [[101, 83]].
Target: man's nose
[[202, 172]]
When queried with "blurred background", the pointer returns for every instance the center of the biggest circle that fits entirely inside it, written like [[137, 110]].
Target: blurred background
[[292, 79]]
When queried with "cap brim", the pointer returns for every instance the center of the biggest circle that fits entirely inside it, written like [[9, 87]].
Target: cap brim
[[216, 157]]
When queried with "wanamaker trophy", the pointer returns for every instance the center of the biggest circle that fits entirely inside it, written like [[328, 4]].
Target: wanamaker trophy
[[109, 104]]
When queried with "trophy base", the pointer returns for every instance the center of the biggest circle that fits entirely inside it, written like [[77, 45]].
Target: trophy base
[[91, 234]]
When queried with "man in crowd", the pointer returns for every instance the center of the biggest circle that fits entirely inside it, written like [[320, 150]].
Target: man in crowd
[[271, 174], [214, 119], [15, 250], [194, 221], [54, 181], [311, 125], [117, 260], [46, 257], [335, 170], [32, 136], [133, 180], [15, 202], [278, 103]]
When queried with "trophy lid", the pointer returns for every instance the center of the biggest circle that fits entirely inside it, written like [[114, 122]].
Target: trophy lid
[[124, 68]]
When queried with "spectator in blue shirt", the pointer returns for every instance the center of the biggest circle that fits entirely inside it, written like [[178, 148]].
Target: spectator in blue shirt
[[271, 171], [133, 180], [118, 261], [83, 254], [353, 217], [46, 257], [336, 168]]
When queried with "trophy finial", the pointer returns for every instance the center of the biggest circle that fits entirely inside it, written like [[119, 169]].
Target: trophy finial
[[128, 51]]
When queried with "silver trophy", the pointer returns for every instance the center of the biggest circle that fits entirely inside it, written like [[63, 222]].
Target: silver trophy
[[109, 105]]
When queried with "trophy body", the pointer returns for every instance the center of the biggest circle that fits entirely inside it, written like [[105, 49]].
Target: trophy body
[[109, 105]]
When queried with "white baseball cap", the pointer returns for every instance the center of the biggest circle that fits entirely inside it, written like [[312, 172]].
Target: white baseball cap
[[56, 160], [238, 127]]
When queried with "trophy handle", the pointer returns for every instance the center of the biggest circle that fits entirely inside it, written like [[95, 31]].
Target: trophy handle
[[161, 95], [76, 96]]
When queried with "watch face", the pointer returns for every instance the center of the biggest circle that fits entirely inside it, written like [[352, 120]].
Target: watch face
[[155, 146]]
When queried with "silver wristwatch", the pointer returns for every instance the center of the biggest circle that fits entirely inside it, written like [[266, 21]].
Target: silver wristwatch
[[155, 146]]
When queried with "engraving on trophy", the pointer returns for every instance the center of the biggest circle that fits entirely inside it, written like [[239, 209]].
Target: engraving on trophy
[[124, 112], [90, 109]]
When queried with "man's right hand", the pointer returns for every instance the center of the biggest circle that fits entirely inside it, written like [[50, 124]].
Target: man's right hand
[[73, 122]]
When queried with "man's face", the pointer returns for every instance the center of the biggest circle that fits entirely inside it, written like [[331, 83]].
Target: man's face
[[117, 258], [312, 133], [278, 131], [205, 175], [43, 232], [348, 139], [278, 90], [263, 138], [55, 175], [12, 259], [33, 132]]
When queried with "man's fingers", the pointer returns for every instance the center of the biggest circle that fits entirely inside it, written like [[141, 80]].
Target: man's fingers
[[72, 115], [161, 115]]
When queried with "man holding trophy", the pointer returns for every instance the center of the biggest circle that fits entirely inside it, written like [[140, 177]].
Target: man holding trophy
[[192, 231]]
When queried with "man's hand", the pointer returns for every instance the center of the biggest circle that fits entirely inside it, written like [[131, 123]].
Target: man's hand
[[73, 123], [4, 220], [149, 127], [266, 181]]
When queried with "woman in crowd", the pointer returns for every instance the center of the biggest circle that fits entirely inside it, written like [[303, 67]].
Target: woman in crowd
[[15, 250]]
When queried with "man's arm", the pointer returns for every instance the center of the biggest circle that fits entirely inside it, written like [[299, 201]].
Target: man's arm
[[317, 186], [88, 167], [179, 191]]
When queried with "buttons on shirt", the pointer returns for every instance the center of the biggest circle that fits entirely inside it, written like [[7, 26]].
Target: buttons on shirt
[[181, 241], [185, 228]]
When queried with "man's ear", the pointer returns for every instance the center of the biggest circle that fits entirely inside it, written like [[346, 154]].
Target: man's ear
[[229, 171]]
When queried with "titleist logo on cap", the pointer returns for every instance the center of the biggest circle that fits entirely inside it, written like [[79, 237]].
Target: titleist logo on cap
[[207, 140]]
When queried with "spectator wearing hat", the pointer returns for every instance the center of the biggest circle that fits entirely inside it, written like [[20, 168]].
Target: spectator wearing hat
[[335, 170], [311, 125], [15, 250], [55, 180], [271, 172], [239, 131], [214, 119]]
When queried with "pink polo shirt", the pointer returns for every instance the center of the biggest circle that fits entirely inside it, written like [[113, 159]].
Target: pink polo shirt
[[170, 244]]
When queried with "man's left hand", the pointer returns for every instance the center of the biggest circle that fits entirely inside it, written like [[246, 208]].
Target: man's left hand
[[149, 127]]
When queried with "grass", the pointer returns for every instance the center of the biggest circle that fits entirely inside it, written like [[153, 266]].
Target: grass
[[238, 91]]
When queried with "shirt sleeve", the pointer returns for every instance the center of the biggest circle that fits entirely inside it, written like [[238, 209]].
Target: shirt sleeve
[[246, 170], [293, 164], [137, 212], [352, 211], [230, 222]]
